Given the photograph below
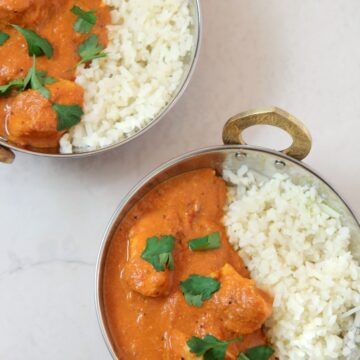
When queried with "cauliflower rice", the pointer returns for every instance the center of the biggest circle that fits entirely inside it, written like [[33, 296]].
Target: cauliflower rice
[[149, 42], [297, 248]]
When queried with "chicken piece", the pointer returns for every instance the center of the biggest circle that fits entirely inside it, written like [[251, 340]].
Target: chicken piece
[[32, 121], [176, 347], [140, 275], [15, 66], [27, 12], [66, 92], [241, 306], [143, 278], [202, 321]]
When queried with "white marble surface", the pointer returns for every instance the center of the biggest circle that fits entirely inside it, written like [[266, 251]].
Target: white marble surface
[[302, 55]]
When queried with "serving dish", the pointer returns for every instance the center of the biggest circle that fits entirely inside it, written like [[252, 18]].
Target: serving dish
[[231, 156], [7, 149]]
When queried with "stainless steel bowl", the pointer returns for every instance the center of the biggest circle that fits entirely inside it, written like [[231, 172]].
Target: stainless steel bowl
[[6, 149], [232, 156]]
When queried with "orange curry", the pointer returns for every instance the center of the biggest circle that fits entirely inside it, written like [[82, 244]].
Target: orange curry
[[146, 312], [27, 118]]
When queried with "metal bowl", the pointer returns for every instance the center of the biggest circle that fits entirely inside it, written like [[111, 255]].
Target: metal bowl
[[6, 149], [231, 156]]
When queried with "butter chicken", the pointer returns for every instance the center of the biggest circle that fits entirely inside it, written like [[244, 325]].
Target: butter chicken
[[173, 287], [41, 43]]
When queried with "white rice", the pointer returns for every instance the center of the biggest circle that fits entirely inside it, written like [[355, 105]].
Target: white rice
[[149, 42], [297, 248]]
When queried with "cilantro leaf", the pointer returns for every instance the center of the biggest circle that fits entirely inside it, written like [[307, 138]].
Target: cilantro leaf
[[68, 115], [35, 84], [242, 356], [37, 45], [158, 252], [210, 347], [90, 49], [85, 21], [197, 289], [44, 79], [15, 84], [211, 241], [3, 38], [263, 352], [33, 80], [37, 79]]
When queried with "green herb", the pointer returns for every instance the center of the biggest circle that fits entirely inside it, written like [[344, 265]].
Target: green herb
[[68, 115], [210, 347], [15, 84], [90, 49], [37, 79], [3, 38], [85, 21], [263, 352], [33, 80], [211, 241], [37, 45], [158, 252], [44, 79], [197, 289]]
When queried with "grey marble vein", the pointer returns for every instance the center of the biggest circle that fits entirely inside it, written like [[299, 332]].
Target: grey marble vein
[[20, 267]]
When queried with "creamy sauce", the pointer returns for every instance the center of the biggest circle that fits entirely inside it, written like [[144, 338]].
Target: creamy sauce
[[156, 327]]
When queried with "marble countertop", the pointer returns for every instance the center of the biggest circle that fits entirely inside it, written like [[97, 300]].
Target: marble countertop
[[302, 56]]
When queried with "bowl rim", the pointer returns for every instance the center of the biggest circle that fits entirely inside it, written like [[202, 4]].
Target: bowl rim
[[175, 98], [144, 180]]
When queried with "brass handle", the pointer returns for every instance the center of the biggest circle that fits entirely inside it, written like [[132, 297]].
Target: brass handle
[[6, 155], [301, 145]]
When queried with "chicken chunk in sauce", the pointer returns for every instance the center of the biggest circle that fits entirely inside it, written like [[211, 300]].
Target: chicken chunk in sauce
[[27, 12], [176, 348], [139, 274], [242, 307], [31, 118]]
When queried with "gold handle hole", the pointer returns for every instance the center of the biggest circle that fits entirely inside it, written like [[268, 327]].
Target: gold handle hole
[[269, 136]]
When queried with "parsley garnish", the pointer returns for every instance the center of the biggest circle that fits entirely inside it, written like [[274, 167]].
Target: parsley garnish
[[90, 49], [36, 80], [15, 84], [263, 352], [210, 347], [44, 79], [37, 45], [211, 241], [68, 115], [85, 21], [33, 80], [158, 252], [3, 38], [197, 289]]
